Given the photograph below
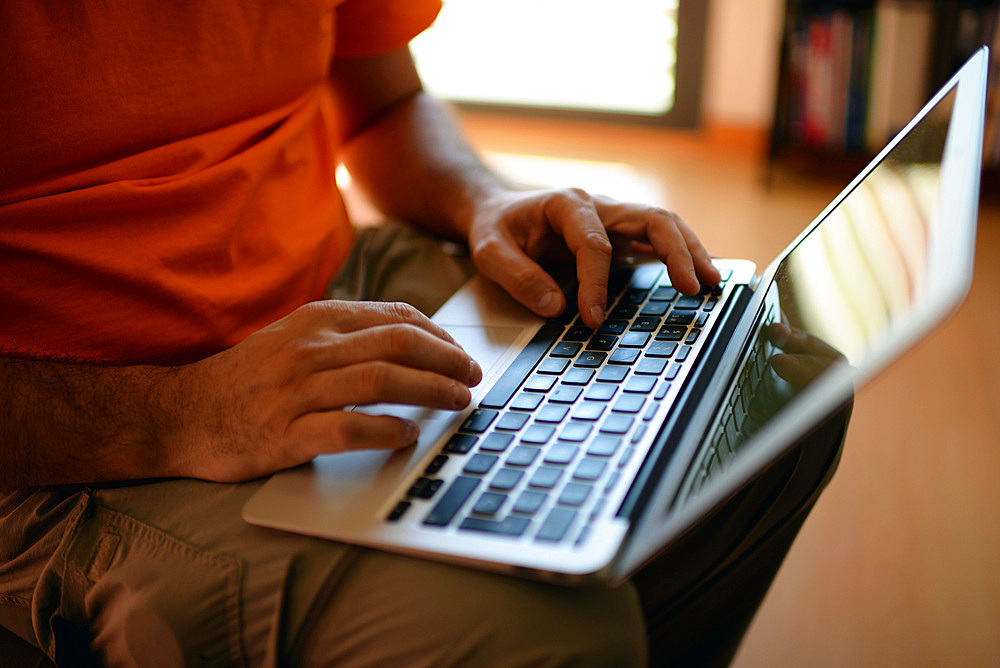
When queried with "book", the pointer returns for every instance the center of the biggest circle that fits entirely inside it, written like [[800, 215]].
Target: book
[[900, 65]]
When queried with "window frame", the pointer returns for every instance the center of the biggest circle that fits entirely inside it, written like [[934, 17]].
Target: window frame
[[692, 19]]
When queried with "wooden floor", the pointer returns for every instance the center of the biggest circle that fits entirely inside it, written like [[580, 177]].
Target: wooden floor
[[899, 563]]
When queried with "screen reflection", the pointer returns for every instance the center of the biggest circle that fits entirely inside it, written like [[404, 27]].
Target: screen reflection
[[840, 290]]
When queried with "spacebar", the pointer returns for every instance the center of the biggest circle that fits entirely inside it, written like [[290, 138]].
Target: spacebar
[[518, 371]]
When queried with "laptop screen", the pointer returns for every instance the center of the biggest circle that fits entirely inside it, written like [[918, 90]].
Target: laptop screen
[[842, 290], [839, 292]]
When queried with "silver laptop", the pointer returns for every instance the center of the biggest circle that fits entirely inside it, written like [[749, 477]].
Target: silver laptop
[[585, 453]]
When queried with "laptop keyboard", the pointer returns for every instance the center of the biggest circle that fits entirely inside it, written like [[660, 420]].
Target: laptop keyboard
[[541, 453]]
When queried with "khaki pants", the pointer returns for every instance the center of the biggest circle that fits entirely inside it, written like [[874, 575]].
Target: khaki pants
[[166, 573]]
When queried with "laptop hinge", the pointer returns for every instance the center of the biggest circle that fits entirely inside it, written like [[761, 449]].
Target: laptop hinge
[[674, 427]]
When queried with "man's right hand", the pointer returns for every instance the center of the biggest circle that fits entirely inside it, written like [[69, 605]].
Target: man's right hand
[[277, 399]]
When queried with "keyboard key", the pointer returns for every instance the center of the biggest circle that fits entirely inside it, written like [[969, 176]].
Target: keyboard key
[[449, 504], [506, 479], [615, 423], [612, 374], [604, 445], [600, 392], [662, 390], [540, 383], [460, 443], [529, 502], [553, 365], [640, 384], [602, 342], [672, 371], [489, 503], [686, 302], [566, 349], [692, 336], [680, 318], [566, 394], [574, 494], [579, 376], [671, 333], [577, 334], [560, 454], [588, 410], [645, 324], [624, 356], [576, 432], [590, 359], [664, 293], [556, 524], [683, 353], [624, 311], [653, 366], [538, 434], [589, 469], [627, 403], [545, 477], [424, 488], [654, 309], [396, 513], [613, 327], [496, 442], [661, 349], [436, 464], [552, 413], [635, 340], [527, 401], [480, 463], [509, 526], [522, 455], [634, 297], [479, 420], [512, 421]]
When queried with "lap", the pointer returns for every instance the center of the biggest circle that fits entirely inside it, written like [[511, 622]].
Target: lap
[[169, 567]]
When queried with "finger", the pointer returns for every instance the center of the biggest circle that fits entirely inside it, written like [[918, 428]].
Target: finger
[[345, 316], [339, 431], [688, 262], [707, 272], [379, 382], [403, 344], [799, 370], [576, 219], [502, 260]]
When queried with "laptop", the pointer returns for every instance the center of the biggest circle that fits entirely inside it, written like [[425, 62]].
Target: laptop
[[586, 453]]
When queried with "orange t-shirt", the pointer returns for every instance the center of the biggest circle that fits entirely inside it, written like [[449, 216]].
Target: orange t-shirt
[[167, 171]]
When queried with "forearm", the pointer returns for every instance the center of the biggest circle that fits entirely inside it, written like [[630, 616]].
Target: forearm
[[414, 163], [69, 423]]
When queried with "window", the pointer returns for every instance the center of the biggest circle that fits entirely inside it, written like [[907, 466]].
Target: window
[[635, 58]]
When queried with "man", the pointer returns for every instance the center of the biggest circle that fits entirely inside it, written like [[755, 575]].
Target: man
[[168, 224]]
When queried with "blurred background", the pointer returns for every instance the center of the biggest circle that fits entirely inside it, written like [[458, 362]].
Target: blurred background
[[746, 119]]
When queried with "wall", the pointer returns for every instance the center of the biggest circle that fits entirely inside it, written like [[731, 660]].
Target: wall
[[741, 62]]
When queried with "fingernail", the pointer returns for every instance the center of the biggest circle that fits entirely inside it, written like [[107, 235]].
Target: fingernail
[[548, 304], [412, 431], [597, 313], [475, 372]]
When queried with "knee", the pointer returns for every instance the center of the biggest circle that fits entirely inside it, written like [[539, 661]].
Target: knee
[[397, 611]]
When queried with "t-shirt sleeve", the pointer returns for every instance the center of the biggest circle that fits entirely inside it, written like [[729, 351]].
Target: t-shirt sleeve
[[371, 27]]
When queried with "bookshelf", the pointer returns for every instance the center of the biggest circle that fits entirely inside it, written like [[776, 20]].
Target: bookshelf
[[853, 72]]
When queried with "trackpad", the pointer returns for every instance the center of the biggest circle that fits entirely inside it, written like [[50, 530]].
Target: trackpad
[[485, 344]]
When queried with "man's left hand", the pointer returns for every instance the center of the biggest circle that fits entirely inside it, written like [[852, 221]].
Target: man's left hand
[[513, 230]]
